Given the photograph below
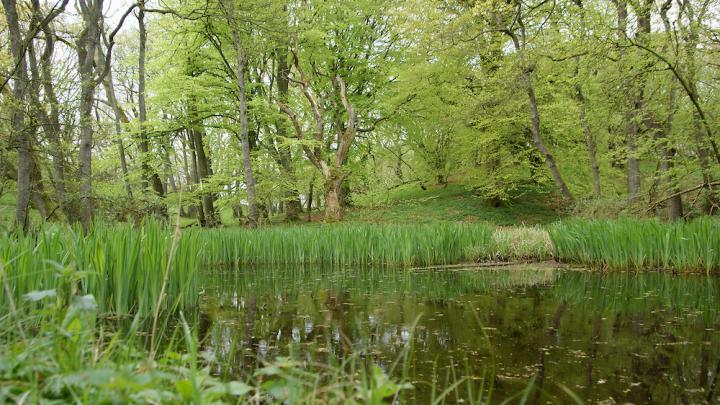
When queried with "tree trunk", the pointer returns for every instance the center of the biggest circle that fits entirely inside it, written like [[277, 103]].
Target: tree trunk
[[120, 117], [333, 209], [149, 174], [310, 200], [667, 154], [535, 116], [203, 171], [537, 139], [633, 164], [292, 196], [50, 121], [87, 46], [242, 96], [195, 177], [580, 97], [17, 123]]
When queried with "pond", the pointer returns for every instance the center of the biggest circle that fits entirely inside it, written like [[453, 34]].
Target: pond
[[640, 338]]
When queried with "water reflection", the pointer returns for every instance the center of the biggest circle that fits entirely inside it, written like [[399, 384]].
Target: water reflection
[[649, 338]]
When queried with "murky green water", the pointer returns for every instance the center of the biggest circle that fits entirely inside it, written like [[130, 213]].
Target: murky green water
[[648, 338]]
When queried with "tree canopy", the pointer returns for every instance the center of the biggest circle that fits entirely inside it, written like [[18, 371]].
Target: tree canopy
[[263, 107]]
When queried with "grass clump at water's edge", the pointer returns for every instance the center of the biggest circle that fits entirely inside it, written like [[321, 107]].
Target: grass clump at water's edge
[[639, 244], [523, 243]]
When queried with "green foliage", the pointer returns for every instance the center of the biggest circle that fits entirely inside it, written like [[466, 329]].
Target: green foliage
[[639, 244]]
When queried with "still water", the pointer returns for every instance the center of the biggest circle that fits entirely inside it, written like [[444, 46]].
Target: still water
[[607, 338]]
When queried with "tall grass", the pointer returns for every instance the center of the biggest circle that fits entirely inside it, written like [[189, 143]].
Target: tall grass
[[122, 267], [344, 245], [639, 244]]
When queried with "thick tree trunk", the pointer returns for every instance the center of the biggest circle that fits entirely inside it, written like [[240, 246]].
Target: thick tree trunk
[[580, 98], [195, 176], [86, 48], [333, 208], [633, 164]]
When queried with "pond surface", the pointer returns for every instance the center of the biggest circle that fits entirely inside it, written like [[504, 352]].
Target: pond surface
[[645, 338]]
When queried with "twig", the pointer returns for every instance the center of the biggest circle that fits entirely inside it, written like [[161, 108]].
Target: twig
[[166, 276], [703, 185]]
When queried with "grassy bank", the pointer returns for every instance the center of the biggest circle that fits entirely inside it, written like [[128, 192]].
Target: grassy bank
[[639, 244]]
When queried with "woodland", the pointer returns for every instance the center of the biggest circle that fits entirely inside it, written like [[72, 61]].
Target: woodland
[[359, 201], [263, 108]]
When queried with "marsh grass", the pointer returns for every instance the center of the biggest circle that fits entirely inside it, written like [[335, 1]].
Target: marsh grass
[[346, 245], [639, 244]]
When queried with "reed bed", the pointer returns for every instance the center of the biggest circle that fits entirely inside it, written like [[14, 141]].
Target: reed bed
[[120, 266], [639, 244], [346, 245]]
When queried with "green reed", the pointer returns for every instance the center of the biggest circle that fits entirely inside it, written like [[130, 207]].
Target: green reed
[[639, 244], [344, 245], [121, 266]]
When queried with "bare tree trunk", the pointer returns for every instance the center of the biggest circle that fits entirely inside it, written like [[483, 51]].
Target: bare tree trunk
[[169, 170], [690, 33], [242, 96], [632, 128]]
